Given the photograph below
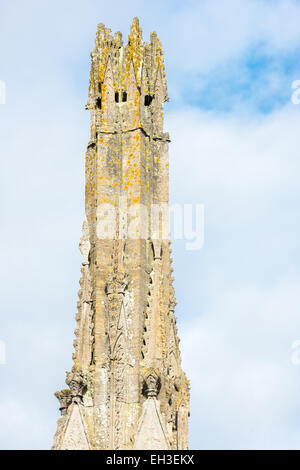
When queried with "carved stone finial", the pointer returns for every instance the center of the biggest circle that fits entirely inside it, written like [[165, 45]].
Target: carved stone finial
[[65, 400], [77, 383], [151, 384]]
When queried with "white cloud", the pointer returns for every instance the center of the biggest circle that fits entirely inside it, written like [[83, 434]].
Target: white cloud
[[211, 32], [244, 387], [241, 292], [21, 423], [237, 158]]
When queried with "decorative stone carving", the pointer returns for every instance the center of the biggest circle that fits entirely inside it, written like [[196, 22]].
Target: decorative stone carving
[[65, 400], [152, 384], [77, 383], [117, 281]]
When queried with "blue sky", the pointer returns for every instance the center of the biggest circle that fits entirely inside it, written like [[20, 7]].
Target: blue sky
[[235, 149]]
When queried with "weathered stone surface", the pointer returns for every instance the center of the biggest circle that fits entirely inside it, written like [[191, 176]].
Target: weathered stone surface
[[151, 434], [126, 388], [75, 435]]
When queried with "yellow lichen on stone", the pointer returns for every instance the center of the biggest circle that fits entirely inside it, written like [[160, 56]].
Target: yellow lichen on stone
[[126, 348]]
